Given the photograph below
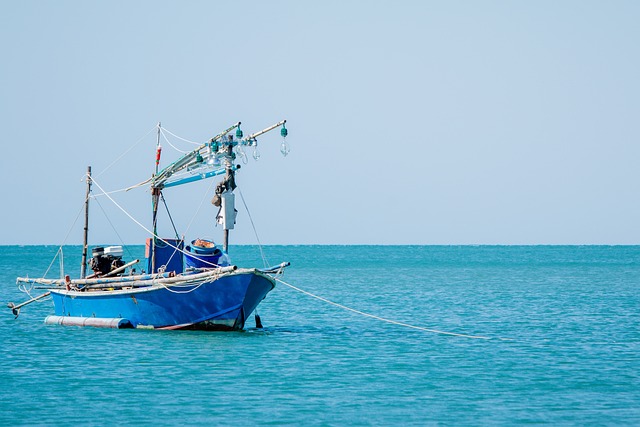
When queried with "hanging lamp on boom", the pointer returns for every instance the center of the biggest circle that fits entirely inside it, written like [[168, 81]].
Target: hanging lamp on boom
[[284, 147]]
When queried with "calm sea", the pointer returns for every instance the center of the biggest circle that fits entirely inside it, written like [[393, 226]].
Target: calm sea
[[564, 347]]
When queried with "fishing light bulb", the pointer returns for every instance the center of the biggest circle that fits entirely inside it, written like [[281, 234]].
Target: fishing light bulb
[[284, 147], [242, 154], [256, 154], [210, 156]]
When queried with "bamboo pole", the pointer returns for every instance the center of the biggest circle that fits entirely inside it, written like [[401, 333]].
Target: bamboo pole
[[15, 309], [83, 268], [154, 277]]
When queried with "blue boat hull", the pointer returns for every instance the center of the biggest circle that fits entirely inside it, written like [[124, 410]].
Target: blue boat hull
[[221, 304]]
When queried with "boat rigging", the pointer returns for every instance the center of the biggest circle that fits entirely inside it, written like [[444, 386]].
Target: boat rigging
[[193, 286]]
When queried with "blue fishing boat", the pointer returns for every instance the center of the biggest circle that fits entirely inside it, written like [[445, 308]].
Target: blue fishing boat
[[181, 287]]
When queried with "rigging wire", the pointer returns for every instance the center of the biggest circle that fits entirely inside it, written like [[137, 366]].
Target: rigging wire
[[176, 136], [48, 268], [122, 190], [204, 197], [169, 214], [65, 238], [170, 144], [174, 229], [126, 152], [383, 319], [264, 259], [190, 222], [125, 212], [23, 288], [114, 229], [146, 181], [149, 231]]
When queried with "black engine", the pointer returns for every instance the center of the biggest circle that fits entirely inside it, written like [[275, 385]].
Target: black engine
[[106, 260]]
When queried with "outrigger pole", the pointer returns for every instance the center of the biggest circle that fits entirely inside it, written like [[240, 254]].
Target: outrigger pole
[[83, 268], [16, 308]]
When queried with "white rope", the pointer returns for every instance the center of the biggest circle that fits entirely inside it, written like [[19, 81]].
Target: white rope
[[123, 210], [176, 136], [264, 259], [182, 292], [122, 190], [115, 230], [213, 275], [170, 144], [149, 231], [393, 322], [48, 268]]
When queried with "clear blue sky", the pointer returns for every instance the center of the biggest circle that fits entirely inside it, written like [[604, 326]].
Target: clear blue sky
[[410, 122]]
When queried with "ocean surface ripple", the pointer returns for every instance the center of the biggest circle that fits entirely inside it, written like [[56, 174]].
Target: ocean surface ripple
[[564, 347]]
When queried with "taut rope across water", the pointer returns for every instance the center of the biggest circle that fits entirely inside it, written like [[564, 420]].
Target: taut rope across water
[[382, 319]]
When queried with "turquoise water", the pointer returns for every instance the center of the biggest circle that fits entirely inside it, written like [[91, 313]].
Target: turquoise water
[[571, 314]]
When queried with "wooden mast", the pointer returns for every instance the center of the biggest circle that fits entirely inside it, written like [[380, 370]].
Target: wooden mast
[[155, 199], [83, 268]]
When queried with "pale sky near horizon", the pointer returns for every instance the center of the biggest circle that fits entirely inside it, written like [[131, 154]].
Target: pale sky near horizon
[[410, 122]]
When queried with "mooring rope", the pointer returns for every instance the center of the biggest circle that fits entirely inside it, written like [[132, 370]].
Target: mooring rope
[[344, 307], [383, 319]]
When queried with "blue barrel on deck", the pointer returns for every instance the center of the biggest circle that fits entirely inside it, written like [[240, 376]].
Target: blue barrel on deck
[[194, 257], [202, 247], [165, 255]]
